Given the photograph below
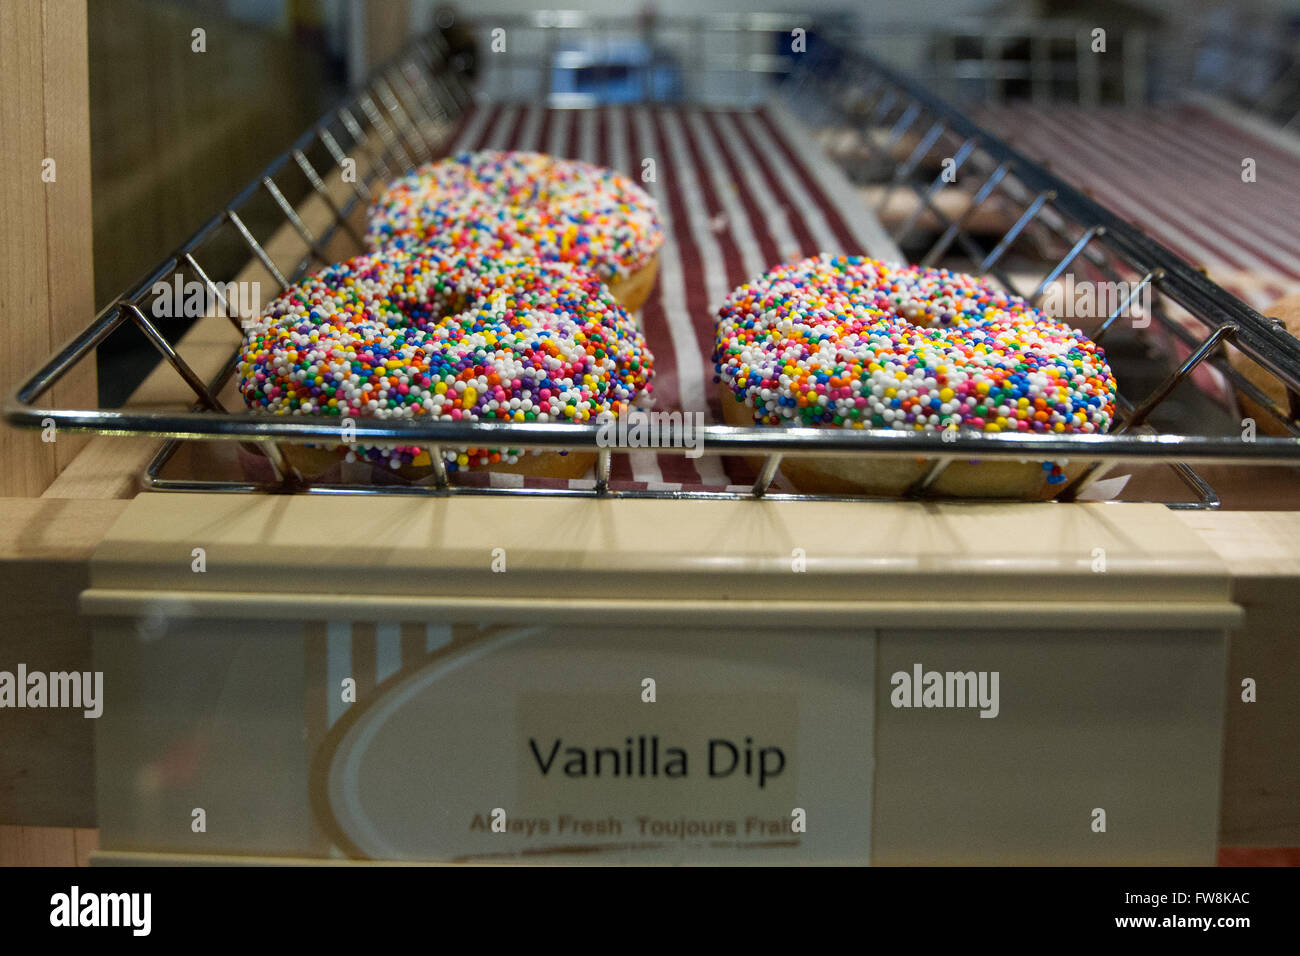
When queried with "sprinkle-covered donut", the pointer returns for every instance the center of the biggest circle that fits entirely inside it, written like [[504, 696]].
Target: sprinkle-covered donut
[[852, 342], [408, 334], [525, 205]]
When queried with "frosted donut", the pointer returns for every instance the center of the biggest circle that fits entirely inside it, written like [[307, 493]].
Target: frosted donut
[[527, 205], [1287, 311], [406, 334], [851, 342]]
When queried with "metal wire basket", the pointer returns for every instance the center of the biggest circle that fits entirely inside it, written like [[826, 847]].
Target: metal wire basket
[[392, 125]]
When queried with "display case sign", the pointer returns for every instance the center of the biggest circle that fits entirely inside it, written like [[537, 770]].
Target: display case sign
[[584, 745]]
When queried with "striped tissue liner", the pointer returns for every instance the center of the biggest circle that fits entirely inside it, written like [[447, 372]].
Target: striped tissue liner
[[736, 196], [1176, 173]]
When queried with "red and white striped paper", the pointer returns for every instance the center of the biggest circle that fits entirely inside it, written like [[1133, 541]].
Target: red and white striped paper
[[738, 192]]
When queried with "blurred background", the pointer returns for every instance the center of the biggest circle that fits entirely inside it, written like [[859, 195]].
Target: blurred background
[[190, 99], [176, 133]]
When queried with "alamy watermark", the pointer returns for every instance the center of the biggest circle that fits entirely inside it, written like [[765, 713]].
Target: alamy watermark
[[195, 299], [641, 429], [74, 909], [922, 688], [1069, 299], [79, 690]]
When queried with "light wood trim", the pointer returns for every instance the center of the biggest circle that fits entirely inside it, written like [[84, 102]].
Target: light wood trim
[[46, 279], [441, 547], [36, 529], [47, 846], [69, 232], [26, 465], [651, 612]]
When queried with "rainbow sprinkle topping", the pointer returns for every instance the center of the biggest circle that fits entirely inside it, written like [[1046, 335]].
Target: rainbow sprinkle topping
[[406, 334], [852, 342], [525, 205]]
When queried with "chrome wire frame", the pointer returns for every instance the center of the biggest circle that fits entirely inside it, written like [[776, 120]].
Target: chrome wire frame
[[387, 121]]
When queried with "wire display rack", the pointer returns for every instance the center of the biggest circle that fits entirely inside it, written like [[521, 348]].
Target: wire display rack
[[392, 125]]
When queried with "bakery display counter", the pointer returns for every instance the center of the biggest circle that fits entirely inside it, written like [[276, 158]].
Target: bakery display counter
[[499, 679], [227, 627], [679, 655]]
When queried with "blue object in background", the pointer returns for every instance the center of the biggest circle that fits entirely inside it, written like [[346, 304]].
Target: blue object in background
[[625, 71]]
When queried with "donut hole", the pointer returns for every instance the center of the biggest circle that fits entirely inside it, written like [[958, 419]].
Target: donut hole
[[836, 342], [403, 334]]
